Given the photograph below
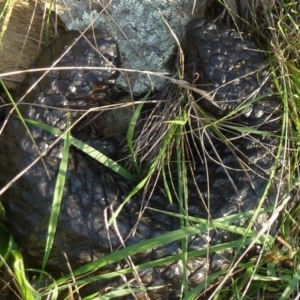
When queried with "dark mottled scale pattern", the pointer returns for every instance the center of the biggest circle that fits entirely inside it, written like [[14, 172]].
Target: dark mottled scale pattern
[[92, 191], [235, 71]]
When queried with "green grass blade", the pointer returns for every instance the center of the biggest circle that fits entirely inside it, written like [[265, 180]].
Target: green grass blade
[[3, 7], [28, 292], [293, 285], [92, 152], [168, 238], [7, 244], [57, 197], [130, 132]]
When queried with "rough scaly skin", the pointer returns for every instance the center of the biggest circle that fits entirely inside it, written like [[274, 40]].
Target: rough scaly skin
[[92, 191], [234, 72]]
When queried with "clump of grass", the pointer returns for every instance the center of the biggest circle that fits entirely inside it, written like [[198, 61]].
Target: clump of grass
[[277, 275]]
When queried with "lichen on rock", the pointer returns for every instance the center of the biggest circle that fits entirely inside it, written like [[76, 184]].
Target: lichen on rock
[[142, 30]]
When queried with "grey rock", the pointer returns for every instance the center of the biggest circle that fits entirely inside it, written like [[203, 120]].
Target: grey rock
[[141, 31]]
